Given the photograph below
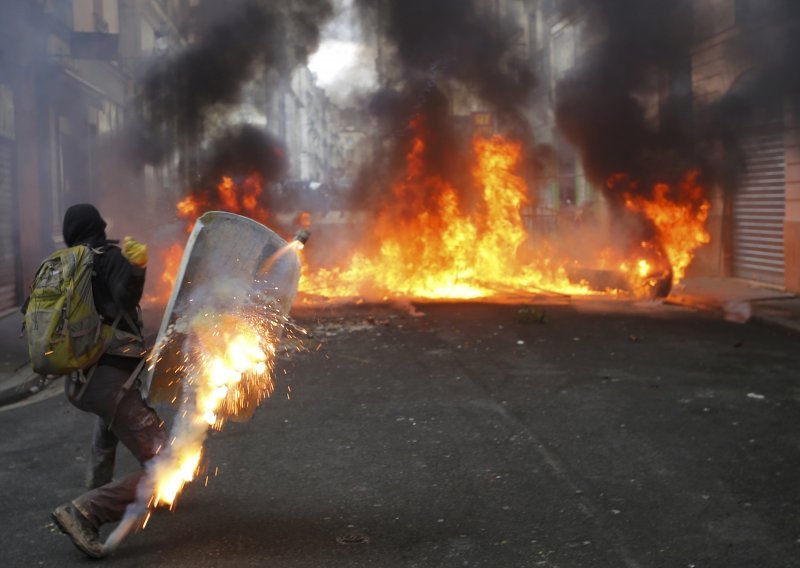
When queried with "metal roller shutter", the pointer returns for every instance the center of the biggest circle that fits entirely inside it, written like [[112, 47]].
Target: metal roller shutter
[[759, 208], [8, 274]]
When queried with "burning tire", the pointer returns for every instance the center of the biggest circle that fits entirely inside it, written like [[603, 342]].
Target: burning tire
[[662, 286]]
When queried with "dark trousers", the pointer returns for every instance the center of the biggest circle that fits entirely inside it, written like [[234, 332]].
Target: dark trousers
[[103, 455], [132, 422]]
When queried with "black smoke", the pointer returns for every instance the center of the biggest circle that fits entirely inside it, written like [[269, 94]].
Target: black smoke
[[453, 38], [769, 39], [240, 152], [181, 98], [646, 48], [436, 51], [643, 47]]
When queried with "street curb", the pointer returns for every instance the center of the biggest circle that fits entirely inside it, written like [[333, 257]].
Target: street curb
[[719, 309], [21, 392], [9, 312], [24, 382], [784, 324]]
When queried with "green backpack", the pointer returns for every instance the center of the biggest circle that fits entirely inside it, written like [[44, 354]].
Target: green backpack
[[65, 331]]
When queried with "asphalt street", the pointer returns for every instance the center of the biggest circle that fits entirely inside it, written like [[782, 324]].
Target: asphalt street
[[594, 434]]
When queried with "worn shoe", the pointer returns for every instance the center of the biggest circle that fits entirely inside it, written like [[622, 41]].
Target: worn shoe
[[79, 529]]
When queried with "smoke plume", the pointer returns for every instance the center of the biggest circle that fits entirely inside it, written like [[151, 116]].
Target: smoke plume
[[242, 151], [186, 93], [601, 106], [433, 52], [641, 52], [457, 40]]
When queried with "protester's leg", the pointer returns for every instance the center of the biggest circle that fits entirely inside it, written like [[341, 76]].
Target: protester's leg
[[103, 455], [139, 428]]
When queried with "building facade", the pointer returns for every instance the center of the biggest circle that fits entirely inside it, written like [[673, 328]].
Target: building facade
[[302, 115], [759, 228], [67, 71]]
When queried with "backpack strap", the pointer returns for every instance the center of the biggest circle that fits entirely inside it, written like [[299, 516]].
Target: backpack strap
[[137, 331], [113, 326], [125, 389], [85, 379]]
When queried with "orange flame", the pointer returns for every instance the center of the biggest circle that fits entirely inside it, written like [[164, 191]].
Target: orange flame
[[189, 207], [242, 198], [232, 373], [172, 260], [430, 247], [679, 215], [426, 243]]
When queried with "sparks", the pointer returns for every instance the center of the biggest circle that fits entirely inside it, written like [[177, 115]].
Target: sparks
[[231, 372]]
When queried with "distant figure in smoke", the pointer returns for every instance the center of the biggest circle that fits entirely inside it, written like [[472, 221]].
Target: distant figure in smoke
[[109, 393]]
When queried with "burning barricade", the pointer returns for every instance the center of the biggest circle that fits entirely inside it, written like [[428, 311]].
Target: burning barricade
[[433, 238], [427, 242]]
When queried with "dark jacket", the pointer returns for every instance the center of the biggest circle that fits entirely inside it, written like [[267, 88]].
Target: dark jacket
[[116, 283]]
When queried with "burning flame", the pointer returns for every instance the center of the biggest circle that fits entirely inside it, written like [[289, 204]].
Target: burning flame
[[243, 198], [231, 371], [172, 261], [431, 247], [189, 207], [425, 242], [679, 215]]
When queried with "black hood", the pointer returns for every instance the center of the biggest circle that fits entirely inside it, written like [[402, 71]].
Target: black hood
[[84, 225]]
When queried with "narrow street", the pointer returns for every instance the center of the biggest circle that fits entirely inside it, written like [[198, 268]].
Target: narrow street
[[595, 434]]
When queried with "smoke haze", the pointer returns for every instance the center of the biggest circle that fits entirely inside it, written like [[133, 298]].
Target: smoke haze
[[600, 104], [185, 93], [642, 51]]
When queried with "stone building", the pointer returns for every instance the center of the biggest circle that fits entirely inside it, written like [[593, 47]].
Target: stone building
[[759, 224], [301, 115], [67, 69]]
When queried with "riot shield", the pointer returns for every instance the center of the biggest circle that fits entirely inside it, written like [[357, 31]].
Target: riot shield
[[228, 259]]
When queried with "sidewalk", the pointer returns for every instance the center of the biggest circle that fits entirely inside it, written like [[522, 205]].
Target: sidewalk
[[739, 301], [15, 369]]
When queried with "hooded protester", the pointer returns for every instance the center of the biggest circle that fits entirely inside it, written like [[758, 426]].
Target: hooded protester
[[107, 389]]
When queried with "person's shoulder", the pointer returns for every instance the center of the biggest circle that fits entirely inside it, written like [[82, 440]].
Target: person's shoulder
[[108, 254], [110, 250]]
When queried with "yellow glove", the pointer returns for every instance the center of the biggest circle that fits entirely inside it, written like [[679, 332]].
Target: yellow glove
[[134, 251]]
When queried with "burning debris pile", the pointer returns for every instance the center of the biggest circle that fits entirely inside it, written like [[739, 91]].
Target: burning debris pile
[[461, 224], [426, 244], [434, 238]]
